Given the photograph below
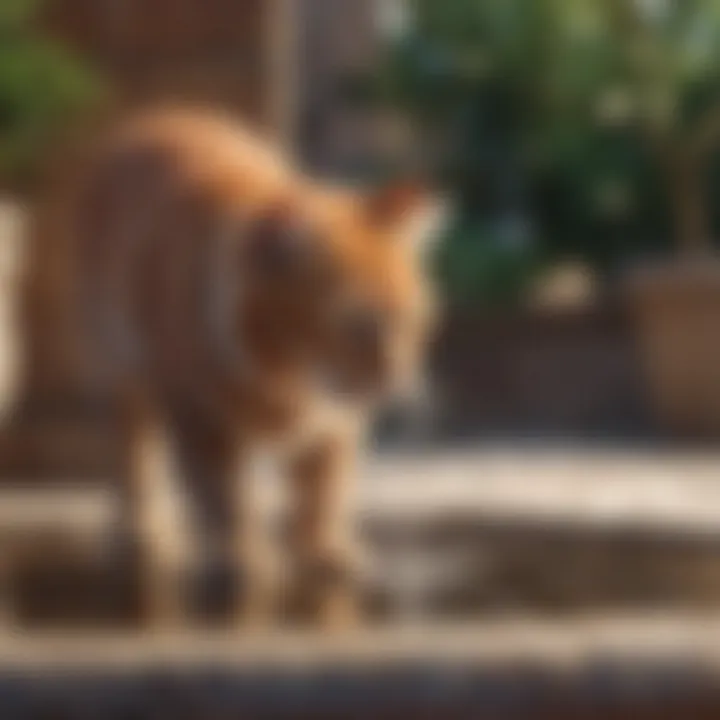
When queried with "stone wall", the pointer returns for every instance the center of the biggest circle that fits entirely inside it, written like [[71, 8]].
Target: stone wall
[[513, 674], [574, 373]]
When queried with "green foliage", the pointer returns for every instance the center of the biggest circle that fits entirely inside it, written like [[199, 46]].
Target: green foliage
[[17, 15], [563, 111], [478, 269], [42, 88]]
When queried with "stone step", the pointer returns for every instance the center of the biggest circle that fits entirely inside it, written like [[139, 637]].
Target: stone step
[[40, 449], [632, 666], [456, 534], [551, 529]]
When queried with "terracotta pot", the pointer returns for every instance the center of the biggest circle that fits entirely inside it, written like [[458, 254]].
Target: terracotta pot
[[677, 313]]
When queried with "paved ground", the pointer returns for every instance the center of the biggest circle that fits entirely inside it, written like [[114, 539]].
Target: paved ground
[[566, 485], [588, 668], [648, 637], [572, 484]]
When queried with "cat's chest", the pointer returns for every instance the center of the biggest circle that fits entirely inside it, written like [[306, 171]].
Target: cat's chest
[[314, 421]]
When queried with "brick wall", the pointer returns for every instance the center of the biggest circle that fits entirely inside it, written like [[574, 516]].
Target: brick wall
[[280, 62], [215, 51], [572, 373]]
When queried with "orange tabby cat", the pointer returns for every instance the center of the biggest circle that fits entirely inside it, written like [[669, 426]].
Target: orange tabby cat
[[225, 303]]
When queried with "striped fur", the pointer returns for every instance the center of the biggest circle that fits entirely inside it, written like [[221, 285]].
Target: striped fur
[[188, 275]]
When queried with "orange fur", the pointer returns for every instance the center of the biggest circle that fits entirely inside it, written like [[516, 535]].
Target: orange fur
[[194, 280]]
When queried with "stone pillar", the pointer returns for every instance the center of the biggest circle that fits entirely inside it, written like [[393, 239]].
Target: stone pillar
[[283, 78]]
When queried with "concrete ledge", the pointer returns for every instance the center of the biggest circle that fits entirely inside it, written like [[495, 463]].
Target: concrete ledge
[[602, 488], [564, 646], [665, 667], [453, 535]]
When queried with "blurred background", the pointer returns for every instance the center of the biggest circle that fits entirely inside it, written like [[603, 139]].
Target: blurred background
[[577, 142], [570, 468]]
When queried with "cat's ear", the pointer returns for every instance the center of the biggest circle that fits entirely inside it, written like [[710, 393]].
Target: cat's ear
[[391, 204], [409, 212]]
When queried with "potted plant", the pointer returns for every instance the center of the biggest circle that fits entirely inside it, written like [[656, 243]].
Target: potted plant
[[672, 63], [44, 88], [602, 118]]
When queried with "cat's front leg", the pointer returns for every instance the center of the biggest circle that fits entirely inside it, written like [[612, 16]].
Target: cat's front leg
[[322, 542]]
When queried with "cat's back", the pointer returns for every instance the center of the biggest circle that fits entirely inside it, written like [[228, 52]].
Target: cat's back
[[133, 220]]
